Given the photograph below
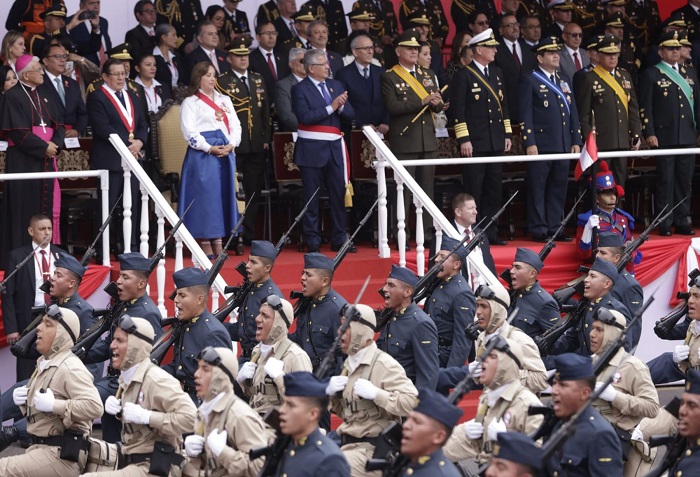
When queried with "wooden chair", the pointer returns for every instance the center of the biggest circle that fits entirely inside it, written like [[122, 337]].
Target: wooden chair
[[168, 146]]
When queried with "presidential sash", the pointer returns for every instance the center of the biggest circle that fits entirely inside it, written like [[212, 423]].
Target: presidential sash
[[554, 87], [127, 119], [220, 113], [612, 82], [676, 77]]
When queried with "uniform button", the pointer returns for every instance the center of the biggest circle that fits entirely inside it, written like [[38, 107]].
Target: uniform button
[[307, 340], [409, 472], [291, 453], [313, 306], [390, 336], [433, 300], [179, 367]]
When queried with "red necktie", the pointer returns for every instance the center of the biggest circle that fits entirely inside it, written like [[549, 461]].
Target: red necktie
[[271, 65], [577, 61], [45, 273], [518, 65]]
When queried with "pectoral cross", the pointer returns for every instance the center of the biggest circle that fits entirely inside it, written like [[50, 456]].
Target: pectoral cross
[[43, 125]]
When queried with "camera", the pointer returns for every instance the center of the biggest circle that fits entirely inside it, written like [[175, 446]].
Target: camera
[[87, 15]]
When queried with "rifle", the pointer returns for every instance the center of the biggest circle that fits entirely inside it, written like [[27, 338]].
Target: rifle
[[240, 292], [88, 339], [91, 250], [3, 287], [549, 246], [275, 453]]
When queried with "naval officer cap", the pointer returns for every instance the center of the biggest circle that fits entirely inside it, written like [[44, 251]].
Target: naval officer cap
[[485, 38]]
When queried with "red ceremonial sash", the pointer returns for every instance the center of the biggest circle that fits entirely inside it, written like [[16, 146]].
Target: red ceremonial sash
[[217, 109], [122, 116]]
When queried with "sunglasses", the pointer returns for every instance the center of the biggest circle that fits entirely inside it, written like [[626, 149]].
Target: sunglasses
[[210, 356], [127, 324], [54, 312]]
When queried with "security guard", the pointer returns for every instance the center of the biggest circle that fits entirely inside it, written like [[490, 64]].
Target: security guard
[[670, 109], [594, 449], [627, 289], [275, 355], [452, 305], [54, 18], [606, 100], [598, 284], [332, 12], [549, 124], [226, 428], [439, 28], [631, 396], [503, 408], [514, 454], [250, 100], [537, 310], [425, 431], [478, 93], [261, 259], [317, 327], [371, 392], [302, 18], [200, 328], [410, 336], [689, 426], [150, 403], [310, 453], [383, 25], [60, 403]]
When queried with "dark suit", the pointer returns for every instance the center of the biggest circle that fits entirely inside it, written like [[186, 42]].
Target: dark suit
[[511, 73], [553, 30], [198, 55], [332, 11], [284, 34], [163, 73], [267, 11], [82, 37], [140, 41], [567, 65], [364, 94], [321, 161], [74, 112], [258, 64], [336, 62], [485, 253], [283, 103]]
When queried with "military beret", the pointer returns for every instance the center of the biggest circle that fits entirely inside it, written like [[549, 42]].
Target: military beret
[[485, 38], [263, 248], [518, 448], [572, 367], [436, 406], [692, 381], [526, 255], [403, 274], [55, 10], [68, 262], [190, 277], [304, 384], [550, 43], [121, 52], [608, 239], [134, 261], [451, 245], [606, 268], [318, 260], [409, 38]]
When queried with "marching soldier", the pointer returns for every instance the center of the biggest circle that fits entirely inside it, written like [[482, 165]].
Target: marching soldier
[[275, 355], [60, 403], [226, 428], [425, 431], [261, 259], [332, 12], [371, 393], [201, 329], [439, 28], [537, 310], [310, 453], [478, 93], [317, 327], [515, 454], [152, 406], [631, 396], [689, 426], [452, 306], [594, 449], [410, 336], [507, 412], [250, 100]]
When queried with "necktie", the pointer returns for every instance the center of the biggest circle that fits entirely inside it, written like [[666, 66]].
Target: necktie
[[379, 5], [551, 78], [324, 92], [101, 54], [413, 73], [45, 273], [120, 97], [271, 65], [365, 72], [292, 29], [516, 59], [577, 62], [214, 61], [486, 72], [59, 88], [150, 32], [675, 68], [468, 234], [244, 86]]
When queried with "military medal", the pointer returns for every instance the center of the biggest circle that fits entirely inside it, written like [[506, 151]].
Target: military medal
[[218, 111], [219, 115]]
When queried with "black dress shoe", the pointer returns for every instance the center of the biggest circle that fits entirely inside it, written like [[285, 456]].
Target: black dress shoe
[[498, 242], [8, 435], [563, 238], [541, 238], [685, 230], [665, 231], [336, 248]]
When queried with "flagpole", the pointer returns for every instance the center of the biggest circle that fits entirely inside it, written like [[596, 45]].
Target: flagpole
[[594, 195]]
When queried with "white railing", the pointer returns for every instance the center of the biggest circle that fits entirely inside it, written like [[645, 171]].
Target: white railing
[[164, 212]]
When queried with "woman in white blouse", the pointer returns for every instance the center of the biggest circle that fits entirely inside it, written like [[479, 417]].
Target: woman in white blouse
[[156, 93], [212, 130]]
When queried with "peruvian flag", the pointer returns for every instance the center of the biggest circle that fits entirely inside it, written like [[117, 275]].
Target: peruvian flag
[[589, 155]]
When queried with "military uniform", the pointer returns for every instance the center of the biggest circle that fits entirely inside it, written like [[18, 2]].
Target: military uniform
[[439, 28], [435, 464], [411, 338], [384, 21], [461, 10], [237, 24], [268, 12], [537, 310], [184, 15], [586, 15], [84, 310], [663, 369], [629, 292], [314, 456], [617, 222], [332, 12], [689, 460], [533, 7], [452, 306], [644, 21]]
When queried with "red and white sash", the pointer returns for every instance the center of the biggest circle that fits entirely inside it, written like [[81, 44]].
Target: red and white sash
[[219, 112], [327, 133], [126, 117]]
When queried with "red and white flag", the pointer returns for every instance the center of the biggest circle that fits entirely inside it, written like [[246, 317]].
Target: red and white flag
[[589, 155]]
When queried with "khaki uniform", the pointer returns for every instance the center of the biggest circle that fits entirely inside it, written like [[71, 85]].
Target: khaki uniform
[[511, 406], [364, 418], [640, 462], [266, 393], [246, 430], [533, 375], [77, 404], [692, 339]]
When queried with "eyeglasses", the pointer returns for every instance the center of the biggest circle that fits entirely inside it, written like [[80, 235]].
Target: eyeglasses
[[37, 70], [59, 57], [365, 48], [276, 303], [575, 35], [511, 25], [150, 10], [54, 312], [127, 324], [319, 64], [604, 315], [269, 33], [482, 23], [117, 75], [210, 356], [488, 294]]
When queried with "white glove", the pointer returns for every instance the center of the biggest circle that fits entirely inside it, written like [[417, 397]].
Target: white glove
[[496, 427], [217, 441], [473, 429], [274, 368], [43, 402], [247, 371], [681, 353], [19, 395], [593, 221], [194, 445], [637, 435], [608, 393], [135, 414], [365, 389], [475, 369], [336, 384], [113, 406]]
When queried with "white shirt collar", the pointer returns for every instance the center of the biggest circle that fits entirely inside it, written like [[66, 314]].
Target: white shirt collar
[[240, 75], [112, 90], [265, 52], [414, 68], [361, 68], [51, 77], [47, 248], [207, 51], [510, 43], [148, 29], [154, 82], [571, 51], [480, 66], [673, 66], [547, 75], [299, 78]]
